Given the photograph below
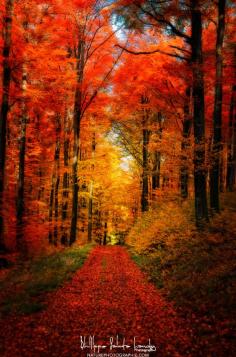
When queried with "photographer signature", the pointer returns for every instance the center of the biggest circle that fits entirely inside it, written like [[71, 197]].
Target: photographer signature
[[115, 344]]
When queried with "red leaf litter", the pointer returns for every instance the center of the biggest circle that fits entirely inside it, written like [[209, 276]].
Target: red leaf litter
[[108, 296]]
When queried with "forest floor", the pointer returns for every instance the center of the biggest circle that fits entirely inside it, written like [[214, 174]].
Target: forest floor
[[108, 296], [195, 270]]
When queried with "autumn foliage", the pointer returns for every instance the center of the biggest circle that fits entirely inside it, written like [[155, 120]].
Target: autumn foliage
[[118, 127]]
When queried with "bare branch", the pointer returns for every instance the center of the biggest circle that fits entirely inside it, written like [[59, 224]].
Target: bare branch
[[103, 42], [151, 52], [181, 49]]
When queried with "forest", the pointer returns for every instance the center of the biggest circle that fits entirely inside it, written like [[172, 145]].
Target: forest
[[117, 177]]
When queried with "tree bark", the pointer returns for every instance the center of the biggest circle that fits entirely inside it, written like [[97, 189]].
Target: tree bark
[[6, 79], [65, 195], [187, 124], [57, 163], [201, 209], [53, 201], [146, 134], [157, 156], [20, 203], [231, 167], [76, 129], [105, 234], [217, 115], [156, 170], [90, 205]]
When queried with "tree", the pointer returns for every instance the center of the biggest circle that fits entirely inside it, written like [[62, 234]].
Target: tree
[[231, 167], [91, 184], [187, 125], [201, 210], [217, 116], [92, 20], [6, 79]]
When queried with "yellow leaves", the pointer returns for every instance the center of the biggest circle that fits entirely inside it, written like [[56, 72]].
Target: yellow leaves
[[159, 227]]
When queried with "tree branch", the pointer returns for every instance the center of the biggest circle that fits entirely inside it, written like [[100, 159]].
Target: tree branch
[[93, 96], [151, 52], [161, 19]]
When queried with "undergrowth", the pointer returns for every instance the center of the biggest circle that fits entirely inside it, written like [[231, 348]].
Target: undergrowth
[[25, 285], [194, 269]]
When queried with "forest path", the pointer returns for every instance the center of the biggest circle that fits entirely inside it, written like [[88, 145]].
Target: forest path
[[109, 295]]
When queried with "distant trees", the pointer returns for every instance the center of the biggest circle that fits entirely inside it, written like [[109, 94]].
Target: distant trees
[[93, 132], [57, 61], [185, 22]]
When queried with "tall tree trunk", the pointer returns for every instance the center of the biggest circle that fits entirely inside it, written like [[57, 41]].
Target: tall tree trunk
[[53, 200], [41, 186], [90, 212], [187, 124], [157, 156], [146, 134], [20, 203], [65, 194], [90, 205], [201, 210], [76, 129], [156, 170], [56, 215], [231, 167], [144, 198], [217, 115], [56, 203], [105, 234], [98, 224], [6, 79]]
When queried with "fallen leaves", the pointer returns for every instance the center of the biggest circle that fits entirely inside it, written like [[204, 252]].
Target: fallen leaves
[[108, 296]]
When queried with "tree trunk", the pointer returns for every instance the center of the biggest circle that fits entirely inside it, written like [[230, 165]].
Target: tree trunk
[[146, 134], [76, 129], [65, 195], [20, 204], [156, 170], [105, 234], [53, 201], [90, 212], [99, 224], [201, 210], [90, 205], [187, 124], [57, 163], [6, 79], [55, 233], [217, 115], [41, 185], [144, 199], [157, 157], [231, 167], [56, 214]]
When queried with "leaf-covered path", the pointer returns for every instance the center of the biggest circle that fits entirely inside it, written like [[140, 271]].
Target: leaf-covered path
[[108, 296]]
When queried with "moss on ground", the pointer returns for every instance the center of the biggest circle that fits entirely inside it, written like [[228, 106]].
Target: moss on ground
[[28, 281]]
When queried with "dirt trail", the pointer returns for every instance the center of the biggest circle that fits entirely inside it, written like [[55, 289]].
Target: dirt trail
[[108, 296]]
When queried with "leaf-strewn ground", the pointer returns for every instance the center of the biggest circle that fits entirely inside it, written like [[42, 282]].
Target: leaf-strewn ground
[[109, 295]]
